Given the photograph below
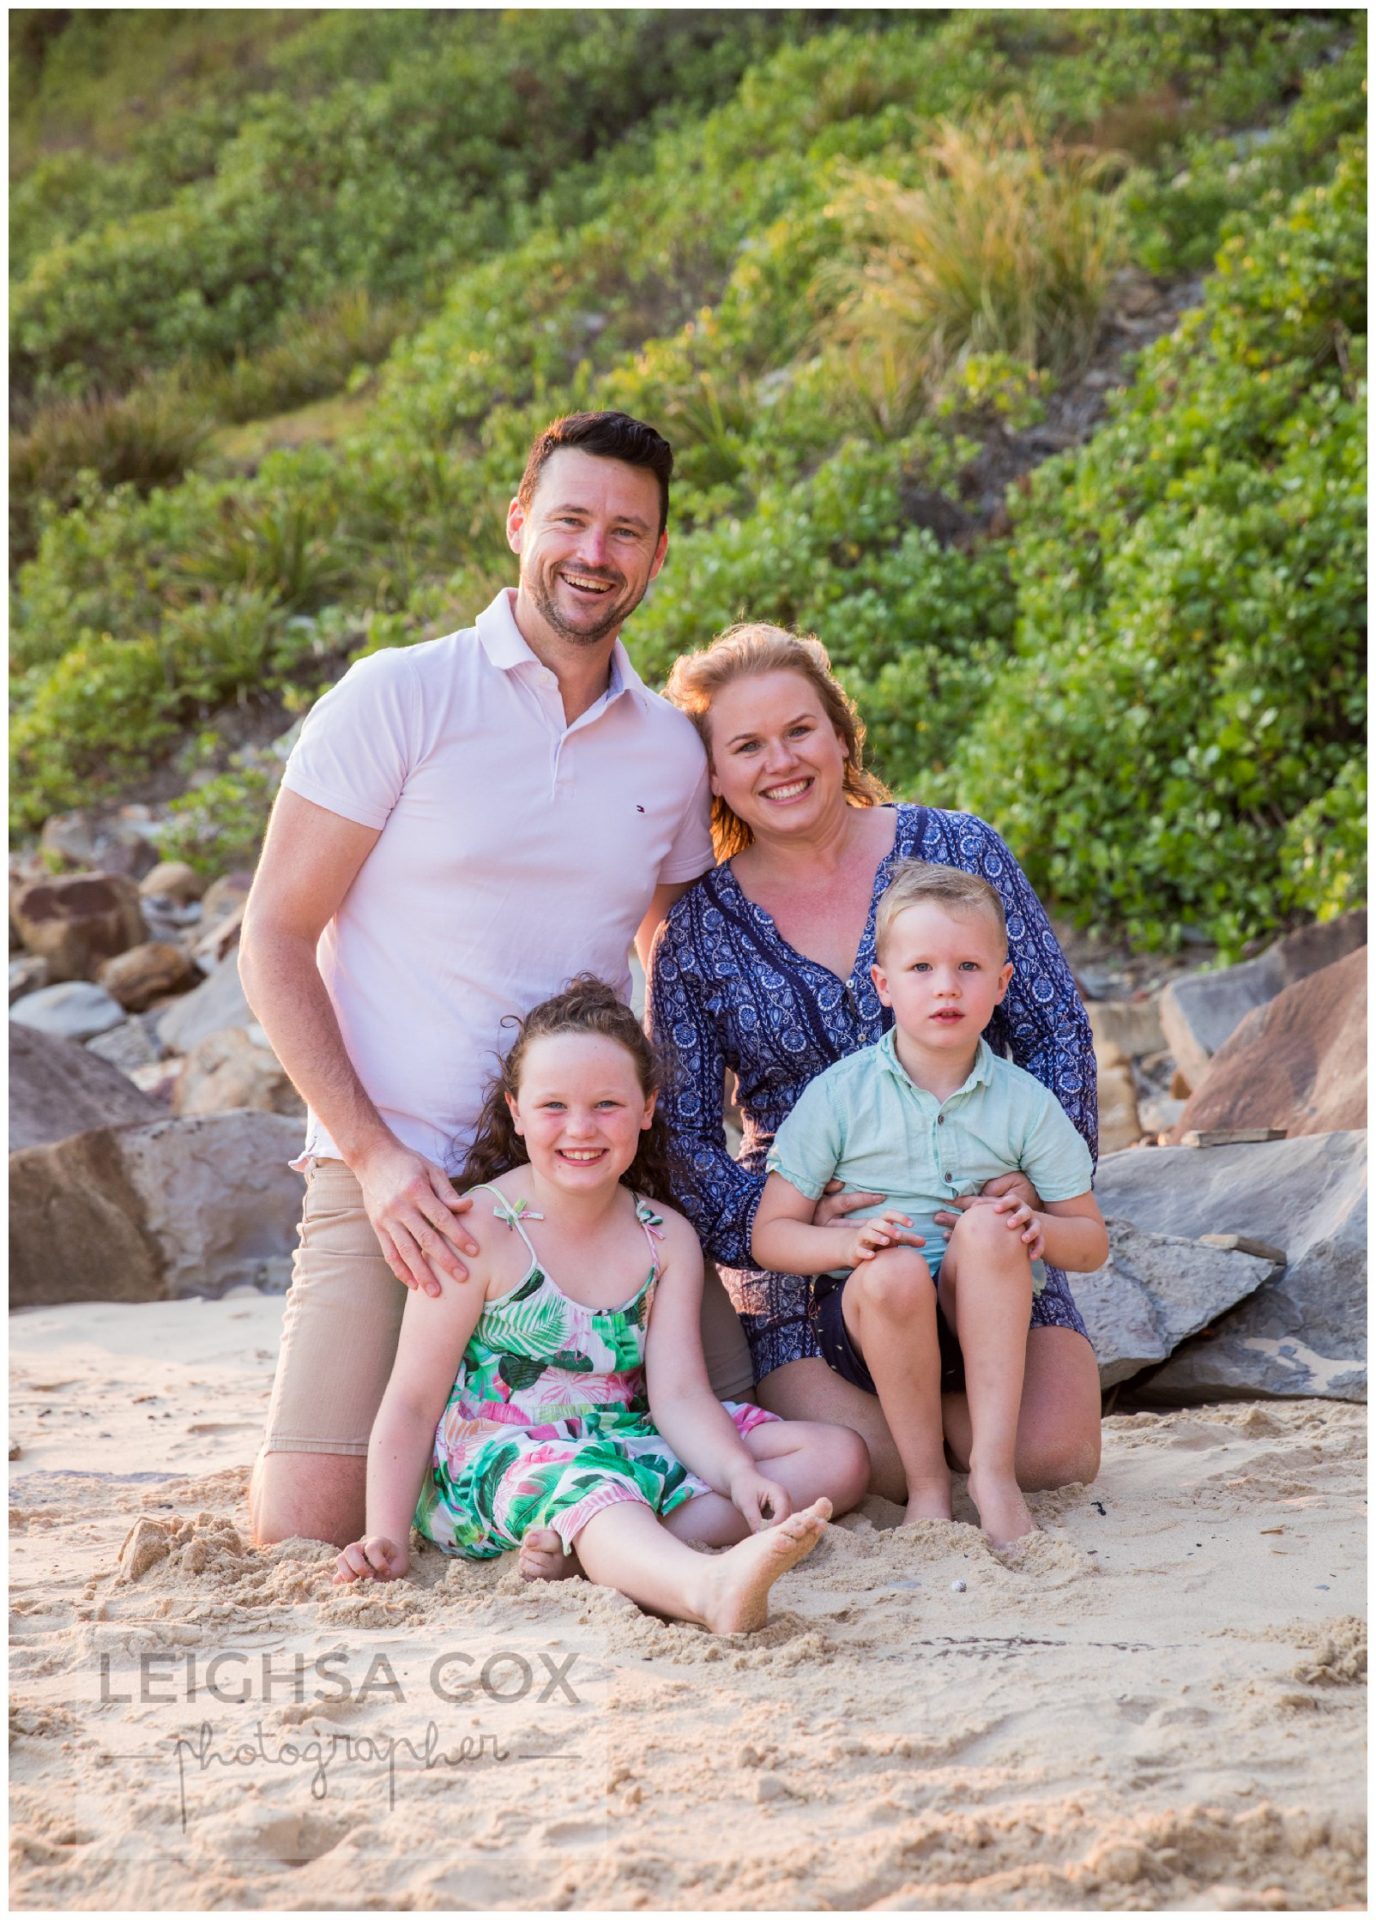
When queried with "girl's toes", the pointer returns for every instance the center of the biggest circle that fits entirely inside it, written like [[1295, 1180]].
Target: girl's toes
[[543, 1558]]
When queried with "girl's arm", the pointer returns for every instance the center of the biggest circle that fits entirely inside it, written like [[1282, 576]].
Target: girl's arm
[[718, 1195], [434, 1333], [682, 1403]]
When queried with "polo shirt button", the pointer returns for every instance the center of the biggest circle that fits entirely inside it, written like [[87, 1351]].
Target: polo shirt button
[[947, 1178], [941, 1119]]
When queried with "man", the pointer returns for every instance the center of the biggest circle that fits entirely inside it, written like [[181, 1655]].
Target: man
[[462, 826]]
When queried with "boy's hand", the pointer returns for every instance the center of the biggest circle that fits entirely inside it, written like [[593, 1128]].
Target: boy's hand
[[373, 1558], [835, 1204], [761, 1502], [873, 1236], [1021, 1219]]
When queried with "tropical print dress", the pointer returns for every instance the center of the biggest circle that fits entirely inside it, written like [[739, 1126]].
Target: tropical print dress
[[548, 1421]]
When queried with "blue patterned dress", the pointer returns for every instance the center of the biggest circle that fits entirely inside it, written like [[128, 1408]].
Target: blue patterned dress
[[727, 991]]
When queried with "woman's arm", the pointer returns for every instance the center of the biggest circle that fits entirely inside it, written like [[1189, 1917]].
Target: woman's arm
[[682, 1404], [718, 1195], [434, 1333]]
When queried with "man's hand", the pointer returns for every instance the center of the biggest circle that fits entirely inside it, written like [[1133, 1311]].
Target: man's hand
[[413, 1209], [372, 1558], [761, 1502]]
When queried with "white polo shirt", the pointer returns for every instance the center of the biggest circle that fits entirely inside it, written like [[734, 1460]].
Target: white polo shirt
[[514, 851]]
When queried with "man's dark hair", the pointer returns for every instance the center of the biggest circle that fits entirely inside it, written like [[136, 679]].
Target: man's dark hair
[[610, 436]]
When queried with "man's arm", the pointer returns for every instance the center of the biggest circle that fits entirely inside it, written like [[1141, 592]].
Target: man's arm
[[656, 913], [310, 860]]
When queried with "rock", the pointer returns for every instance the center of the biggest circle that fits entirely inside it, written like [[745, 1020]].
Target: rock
[[1304, 1331], [224, 897], [234, 1068], [172, 880], [216, 1004], [166, 921], [1155, 1291], [1199, 1011], [77, 921], [1119, 1122], [147, 973], [134, 1043], [158, 1079], [119, 843], [1159, 1113], [57, 1088], [15, 1450], [1130, 1027], [74, 1010], [165, 1210], [1299, 1062], [27, 975]]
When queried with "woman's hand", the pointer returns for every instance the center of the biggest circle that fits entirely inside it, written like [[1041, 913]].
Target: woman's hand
[[373, 1558], [760, 1502]]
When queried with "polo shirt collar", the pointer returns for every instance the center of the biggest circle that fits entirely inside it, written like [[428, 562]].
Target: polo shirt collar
[[507, 647], [980, 1074]]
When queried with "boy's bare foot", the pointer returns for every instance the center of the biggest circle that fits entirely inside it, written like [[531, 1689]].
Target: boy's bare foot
[[736, 1586], [542, 1557], [928, 1501], [1003, 1513]]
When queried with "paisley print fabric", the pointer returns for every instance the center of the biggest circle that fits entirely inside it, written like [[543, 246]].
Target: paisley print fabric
[[728, 992]]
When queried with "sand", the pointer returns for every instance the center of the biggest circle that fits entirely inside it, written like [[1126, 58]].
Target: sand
[[1159, 1704]]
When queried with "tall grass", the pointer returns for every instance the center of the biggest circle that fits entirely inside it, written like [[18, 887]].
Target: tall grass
[[1008, 244]]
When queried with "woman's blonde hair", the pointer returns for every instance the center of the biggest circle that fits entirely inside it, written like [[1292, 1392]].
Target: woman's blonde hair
[[743, 651]]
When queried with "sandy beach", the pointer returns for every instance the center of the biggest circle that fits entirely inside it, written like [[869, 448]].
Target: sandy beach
[[1158, 1705]]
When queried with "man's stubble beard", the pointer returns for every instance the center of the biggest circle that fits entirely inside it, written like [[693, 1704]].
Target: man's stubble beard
[[548, 608]]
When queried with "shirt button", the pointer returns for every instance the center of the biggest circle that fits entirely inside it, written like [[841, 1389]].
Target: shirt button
[[941, 1119], [947, 1178]]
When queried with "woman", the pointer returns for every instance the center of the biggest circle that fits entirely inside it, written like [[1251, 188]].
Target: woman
[[763, 967]]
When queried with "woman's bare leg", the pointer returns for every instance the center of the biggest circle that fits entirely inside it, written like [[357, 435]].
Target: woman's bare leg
[[809, 1390], [626, 1547], [810, 1462]]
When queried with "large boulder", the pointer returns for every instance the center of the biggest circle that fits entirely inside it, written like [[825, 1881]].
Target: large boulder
[[74, 1010], [1199, 1011], [1155, 1290], [216, 1004], [1303, 1332], [1299, 1062], [108, 843], [147, 973], [57, 1088], [160, 1211], [174, 881], [78, 920], [234, 1068]]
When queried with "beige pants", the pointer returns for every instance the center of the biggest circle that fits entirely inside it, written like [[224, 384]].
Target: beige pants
[[343, 1314]]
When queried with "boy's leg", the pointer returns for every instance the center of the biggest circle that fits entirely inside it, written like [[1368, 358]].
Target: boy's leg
[[986, 1294], [625, 1546], [889, 1307]]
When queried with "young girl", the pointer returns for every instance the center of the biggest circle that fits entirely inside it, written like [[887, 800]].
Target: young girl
[[546, 1437]]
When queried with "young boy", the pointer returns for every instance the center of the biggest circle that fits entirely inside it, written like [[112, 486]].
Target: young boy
[[928, 1114]]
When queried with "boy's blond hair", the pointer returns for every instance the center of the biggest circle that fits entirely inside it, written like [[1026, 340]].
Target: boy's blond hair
[[915, 882]]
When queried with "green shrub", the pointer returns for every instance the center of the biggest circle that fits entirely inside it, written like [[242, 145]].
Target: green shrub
[[1323, 856], [220, 824]]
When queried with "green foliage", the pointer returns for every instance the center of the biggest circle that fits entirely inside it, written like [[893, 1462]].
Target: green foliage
[[1191, 601], [220, 824], [1150, 685], [1007, 245]]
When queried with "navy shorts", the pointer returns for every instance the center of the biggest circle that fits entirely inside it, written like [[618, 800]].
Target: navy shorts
[[844, 1357]]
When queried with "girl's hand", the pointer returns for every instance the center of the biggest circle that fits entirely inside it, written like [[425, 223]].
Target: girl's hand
[[373, 1558], [760, 1502], [872, 1236]]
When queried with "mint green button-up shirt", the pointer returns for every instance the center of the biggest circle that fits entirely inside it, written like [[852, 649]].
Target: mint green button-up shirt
[[865, 1123]]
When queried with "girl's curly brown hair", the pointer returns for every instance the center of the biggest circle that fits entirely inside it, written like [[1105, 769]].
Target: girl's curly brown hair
[[586, 1005]]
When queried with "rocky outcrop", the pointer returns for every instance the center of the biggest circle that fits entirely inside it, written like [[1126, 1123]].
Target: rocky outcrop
[[1303, 1332], [158, 1211], [58, 1088], [216, 1004], [234, 1068], [77, 921], [1200, 1011], [1299, 1062], [147, 973], [173, 881], [1155, 1290], [75, 1010]]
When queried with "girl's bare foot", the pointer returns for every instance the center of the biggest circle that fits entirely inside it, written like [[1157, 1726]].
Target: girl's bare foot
[[737, 1582], [930, 1500], [1003, 1513], [542, 1557]]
